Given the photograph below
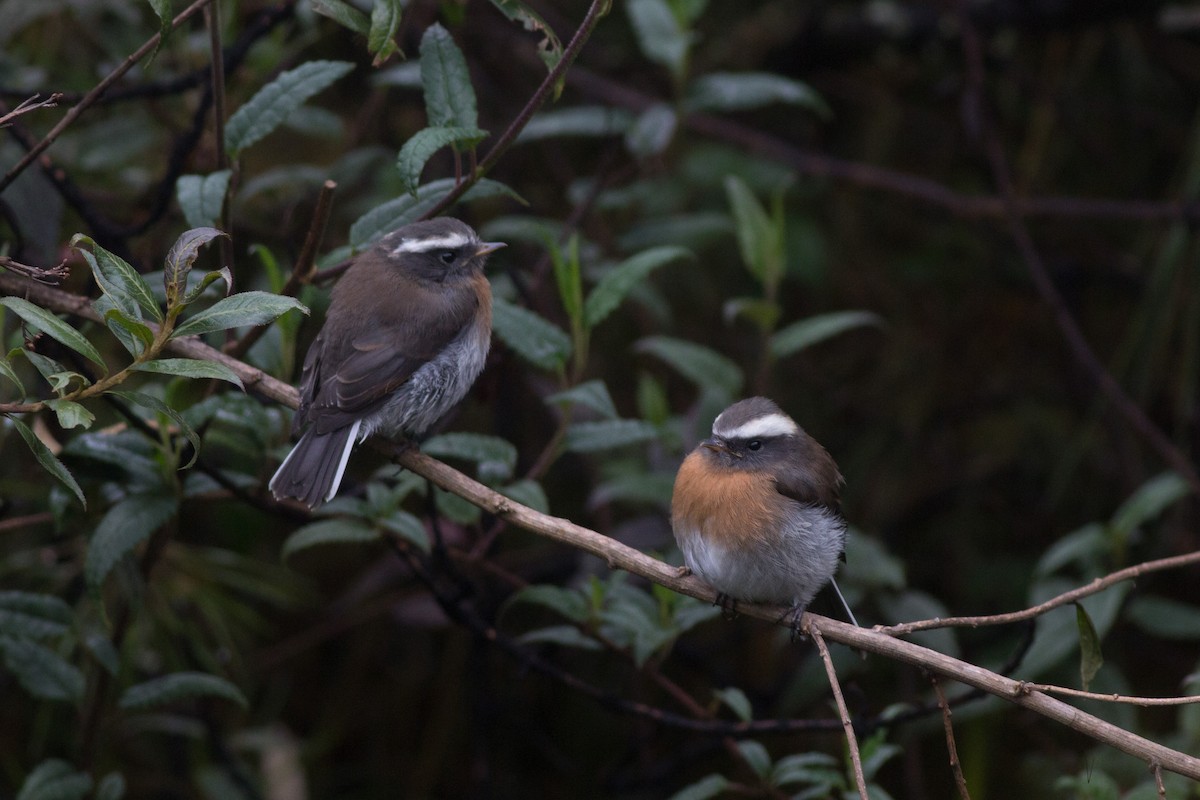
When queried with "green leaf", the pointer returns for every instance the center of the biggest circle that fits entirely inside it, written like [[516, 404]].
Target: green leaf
[[1167, 619], [763, 313], [756, 756], [592, 394], [25, 615], [495, 456], [616, 284], [707, 787], [423, 144], [1090, 657], [111, 787], [71, 414], [449, 96], [737, 701], [41, 671], [738, 91], [537, 340], [527, 492], [119, 281], [550, 48], [580, 121], [760, 240], [568, 276], [179, 686], [408, 528], [162, 9], [53, 327], [652, 132], [406, 208], [201, 197], [563, 635], [235, 311], [810, 331], [103, 650], [7, 371], [180, 258], [660, 36], [636, 488], [158, 406], [701, 365], [344, 14], [381, 37], [338, 530], [222, 274], [1148, 501], [817, 769], [570, 603], [591, 437], [270, 107], [55, 779], [47, 459], [126, 525], [134, 335], [191, 368]]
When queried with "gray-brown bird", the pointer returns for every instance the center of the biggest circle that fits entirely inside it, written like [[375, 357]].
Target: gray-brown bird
[[407, 333]]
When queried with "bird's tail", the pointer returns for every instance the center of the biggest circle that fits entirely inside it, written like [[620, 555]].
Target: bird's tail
[[845, 605], [313, 470]]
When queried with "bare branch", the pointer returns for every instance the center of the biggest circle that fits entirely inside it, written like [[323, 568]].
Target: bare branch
[[30, 104], [951, 747], [860, 780]]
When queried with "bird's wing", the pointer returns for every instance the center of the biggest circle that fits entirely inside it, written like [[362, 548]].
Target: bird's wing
[[351, 377]]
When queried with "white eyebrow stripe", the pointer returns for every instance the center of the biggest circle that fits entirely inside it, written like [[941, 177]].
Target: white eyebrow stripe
[[451, 241], [758, 428]]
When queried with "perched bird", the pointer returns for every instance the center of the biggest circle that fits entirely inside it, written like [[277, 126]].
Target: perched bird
[[755, 509], [406, 334]]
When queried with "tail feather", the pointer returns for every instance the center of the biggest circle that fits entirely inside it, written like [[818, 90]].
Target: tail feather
[[313, 471]]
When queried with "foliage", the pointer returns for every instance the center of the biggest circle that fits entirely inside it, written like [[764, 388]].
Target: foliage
[[715, 200]]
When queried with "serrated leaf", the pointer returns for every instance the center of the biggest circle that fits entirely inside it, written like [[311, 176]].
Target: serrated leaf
[[111, 787], [134, 335], [202, 197], [191, 368], [406, 208], [338, 530], [71, 414], [449, 95], [477, 447], [7, 371], [616, 284], [48, 460], [1090, 657], [1148, 501], [535, 339], [119, 281], [652, 131], [591, 394], [701, 365], [235, 311], [707, 787], [344, 14], [381, 36], [550, 48], [270, 107], [756, 756], [423, 144], [41, 671], [819, 328], [738, 91], [158, 406], [660, 36], [179, 686], [564, 635], [580, 121], [737, 701], [568, 602], [55, 779], [126, 525], [180, 258], [53, 327], [591, 437]]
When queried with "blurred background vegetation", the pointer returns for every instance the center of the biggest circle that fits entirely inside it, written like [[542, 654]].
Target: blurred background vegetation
[[796, 199]]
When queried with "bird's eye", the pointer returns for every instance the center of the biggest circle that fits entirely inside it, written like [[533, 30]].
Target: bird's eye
[[754, 444], [447, 256]]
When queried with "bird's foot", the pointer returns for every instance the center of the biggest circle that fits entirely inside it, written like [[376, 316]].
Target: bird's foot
[[796, 612], [683, 570], [728, 605]]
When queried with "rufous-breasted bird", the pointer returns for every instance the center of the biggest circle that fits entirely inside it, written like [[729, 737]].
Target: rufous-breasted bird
[[407, 333]]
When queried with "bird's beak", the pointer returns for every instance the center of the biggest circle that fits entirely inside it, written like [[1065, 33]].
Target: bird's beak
[[717, 445], [488, 247]]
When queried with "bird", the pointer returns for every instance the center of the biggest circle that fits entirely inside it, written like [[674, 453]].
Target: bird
[[756, 513], [407, 333]]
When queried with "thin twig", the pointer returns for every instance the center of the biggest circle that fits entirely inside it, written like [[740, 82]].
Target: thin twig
[[860, 780], [595, 11], [20, 523], [1158, 781], [30, 104], [212, 19], [951, 747], [46, 275], [95, 94], [1049, 688], [1097, 585]]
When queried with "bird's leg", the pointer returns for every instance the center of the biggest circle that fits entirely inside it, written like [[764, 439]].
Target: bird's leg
[[683, 570], [728, 605], [795, 612]]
